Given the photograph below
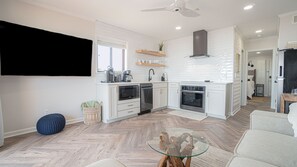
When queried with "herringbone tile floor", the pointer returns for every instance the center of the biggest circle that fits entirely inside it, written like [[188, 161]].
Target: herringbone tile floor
[[79, 145]]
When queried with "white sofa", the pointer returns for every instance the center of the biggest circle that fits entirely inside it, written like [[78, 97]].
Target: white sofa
[[269, 142]]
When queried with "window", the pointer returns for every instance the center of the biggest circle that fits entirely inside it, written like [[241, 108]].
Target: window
[[110, 54]]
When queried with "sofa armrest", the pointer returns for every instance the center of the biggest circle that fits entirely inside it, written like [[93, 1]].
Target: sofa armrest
[[271, 121]]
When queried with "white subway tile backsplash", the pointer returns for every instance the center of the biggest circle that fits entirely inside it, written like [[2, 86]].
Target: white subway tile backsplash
[[217, 67]]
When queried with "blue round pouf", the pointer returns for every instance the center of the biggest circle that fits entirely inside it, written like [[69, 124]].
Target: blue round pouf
[[51, 124]]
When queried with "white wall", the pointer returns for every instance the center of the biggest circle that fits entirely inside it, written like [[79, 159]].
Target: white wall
[[134, 42], [218, 67], [287, 30], [261, 43], [287, 33], [25, 99]]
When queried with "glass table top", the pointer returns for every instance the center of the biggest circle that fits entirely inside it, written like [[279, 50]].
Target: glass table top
[[179, 142]]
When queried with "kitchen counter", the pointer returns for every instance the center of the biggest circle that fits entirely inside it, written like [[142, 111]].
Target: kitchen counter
[[130, 83], [203, 82], [181, 83]]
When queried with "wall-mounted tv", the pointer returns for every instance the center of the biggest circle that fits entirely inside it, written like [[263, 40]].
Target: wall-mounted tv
[[34, 52]]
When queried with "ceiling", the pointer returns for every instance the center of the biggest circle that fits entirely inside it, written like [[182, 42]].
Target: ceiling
[[214, 14], [260, 53]]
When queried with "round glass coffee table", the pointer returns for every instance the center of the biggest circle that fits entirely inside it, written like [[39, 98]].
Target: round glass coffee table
[[176, 144]]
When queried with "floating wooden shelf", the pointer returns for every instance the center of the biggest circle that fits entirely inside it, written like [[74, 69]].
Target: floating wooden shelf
[[150, 64], [153, 53]]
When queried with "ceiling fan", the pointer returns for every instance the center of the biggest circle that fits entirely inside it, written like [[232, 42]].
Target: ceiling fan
[[176, 6]]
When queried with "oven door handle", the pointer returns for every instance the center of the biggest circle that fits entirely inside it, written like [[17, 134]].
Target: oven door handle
[[190, 91], [146, 88]]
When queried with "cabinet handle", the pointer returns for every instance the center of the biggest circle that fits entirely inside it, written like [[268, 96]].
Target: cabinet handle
[[130, 111], [130, 105]]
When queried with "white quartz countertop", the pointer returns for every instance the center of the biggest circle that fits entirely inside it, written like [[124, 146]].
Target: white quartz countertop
[[130, 83], [181, 83], [203, 82]]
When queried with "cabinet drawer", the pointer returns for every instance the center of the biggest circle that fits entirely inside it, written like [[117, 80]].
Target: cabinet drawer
[[128, 106], [128, 112], [173, 84], [159, 85], [217, 87]]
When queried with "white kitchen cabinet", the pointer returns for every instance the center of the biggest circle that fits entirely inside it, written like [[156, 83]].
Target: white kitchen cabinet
[[159, 95], [112, 108], [128, 107], [218, 100], [107, 94], [113, 101], [173, 95], [163, 96]]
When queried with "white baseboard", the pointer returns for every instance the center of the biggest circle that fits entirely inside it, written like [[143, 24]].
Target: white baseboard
[[73, 121], [217, 116], [33, 129], [19, 132], [236, 111], [175, 108]]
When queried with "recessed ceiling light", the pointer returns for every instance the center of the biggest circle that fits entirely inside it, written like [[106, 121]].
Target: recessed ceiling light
[[258, 31], [178, 27], [248, 7], [258, 52]]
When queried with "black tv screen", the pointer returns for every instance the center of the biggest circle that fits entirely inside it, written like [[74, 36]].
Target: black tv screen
[[35, 52]]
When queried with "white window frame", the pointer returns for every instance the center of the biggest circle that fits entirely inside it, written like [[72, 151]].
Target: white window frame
[[112, 44]]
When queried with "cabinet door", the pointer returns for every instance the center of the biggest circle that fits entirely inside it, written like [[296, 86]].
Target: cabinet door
[[163, 97], [156, 98], [173, 96], [216, 103], [113, 98]]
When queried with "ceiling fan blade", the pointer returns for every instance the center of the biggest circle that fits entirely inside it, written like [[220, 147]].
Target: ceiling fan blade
[[188, 12], [154, 9]]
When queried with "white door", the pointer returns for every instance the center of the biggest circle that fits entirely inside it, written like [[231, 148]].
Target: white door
[[216, 103], [156, 98], [163, 97], [113, 94], [244, 72], [268, 76], [275, 81], [173, 95]]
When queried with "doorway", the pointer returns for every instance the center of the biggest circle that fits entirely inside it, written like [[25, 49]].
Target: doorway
[[258, 76]]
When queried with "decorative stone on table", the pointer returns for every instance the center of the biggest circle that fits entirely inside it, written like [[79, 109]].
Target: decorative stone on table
[[172, 145]]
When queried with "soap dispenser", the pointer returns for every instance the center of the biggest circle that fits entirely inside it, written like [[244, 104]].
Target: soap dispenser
[[164, 77]]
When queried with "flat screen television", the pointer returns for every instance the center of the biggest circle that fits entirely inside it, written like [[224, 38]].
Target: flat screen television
[[34, 52]]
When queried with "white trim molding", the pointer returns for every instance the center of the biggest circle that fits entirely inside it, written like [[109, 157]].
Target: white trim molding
[[33, 129]]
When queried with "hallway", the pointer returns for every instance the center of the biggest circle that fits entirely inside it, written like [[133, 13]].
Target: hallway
[[259, 103]]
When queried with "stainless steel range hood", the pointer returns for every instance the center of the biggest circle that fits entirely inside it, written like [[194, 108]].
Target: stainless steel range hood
[[199, 44]]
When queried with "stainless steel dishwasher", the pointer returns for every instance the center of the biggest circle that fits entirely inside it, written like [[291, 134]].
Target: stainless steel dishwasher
[[146, 98]]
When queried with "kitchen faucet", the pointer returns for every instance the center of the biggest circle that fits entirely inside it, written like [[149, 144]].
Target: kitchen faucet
[[150, 77]]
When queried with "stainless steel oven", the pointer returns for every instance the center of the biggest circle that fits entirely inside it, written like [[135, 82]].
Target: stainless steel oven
[[193, 98], [128, 92]]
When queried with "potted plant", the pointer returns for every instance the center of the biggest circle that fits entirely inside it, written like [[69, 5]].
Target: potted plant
[[161, 45]]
